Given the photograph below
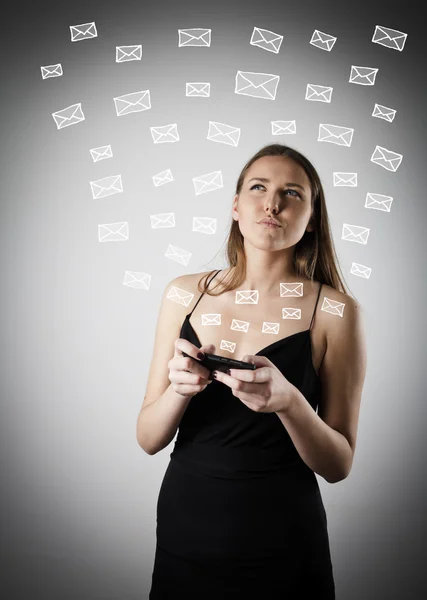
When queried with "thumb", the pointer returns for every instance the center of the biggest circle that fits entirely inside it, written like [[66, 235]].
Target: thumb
[[210, 348]]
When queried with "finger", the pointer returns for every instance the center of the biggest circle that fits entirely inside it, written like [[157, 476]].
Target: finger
[[183, 346], [260, 375]]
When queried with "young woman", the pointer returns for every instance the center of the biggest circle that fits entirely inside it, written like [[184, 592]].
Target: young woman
[[240, 510]]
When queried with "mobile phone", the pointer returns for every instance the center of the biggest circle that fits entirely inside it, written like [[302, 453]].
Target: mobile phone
[[214, 362]]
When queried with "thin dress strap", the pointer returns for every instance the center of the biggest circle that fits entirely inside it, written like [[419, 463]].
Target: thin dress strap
[[203, 293], [315, 306]]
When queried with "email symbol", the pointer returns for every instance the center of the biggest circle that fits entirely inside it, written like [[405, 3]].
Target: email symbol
[[51, 71], [321, 40], [107, 186], [283, 127], [345, 179], [162, 178], [179, 296], [204, 225], [355, 233], [318, 93], [291, 290], [101, 153], [291, 313], [335, 134], [386, 158], [247, 297], [237, 325], [332, 307], [382, 112], [257, 85], [390, 38], [127, 53], [68, 116], [198, 89], [178, 254], [162, 220], [113, 232], [267, 40], [360, 270], [363, 75], [224, 134], [378, 202], [226, 345], [85, 31], [270, 327], [194, 37], [135, 279], [165, 133], [208, 183], [133, 102], [209, 319]]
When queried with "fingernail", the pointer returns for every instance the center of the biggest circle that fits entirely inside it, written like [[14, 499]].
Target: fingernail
[[214, 374], [228, 372], [200, 355]]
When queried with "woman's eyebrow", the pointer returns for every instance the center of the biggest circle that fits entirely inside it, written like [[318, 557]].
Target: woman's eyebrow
[[268, 181]]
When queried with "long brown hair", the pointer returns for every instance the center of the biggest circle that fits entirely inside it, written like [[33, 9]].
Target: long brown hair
[[314, 255]]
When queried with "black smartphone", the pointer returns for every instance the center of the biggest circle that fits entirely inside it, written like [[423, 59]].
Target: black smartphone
[[214, 362]]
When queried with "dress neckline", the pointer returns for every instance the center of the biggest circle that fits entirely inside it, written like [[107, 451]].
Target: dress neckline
[[270, 346]]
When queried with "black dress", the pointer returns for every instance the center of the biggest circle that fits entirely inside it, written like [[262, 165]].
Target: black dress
[[239, 514]]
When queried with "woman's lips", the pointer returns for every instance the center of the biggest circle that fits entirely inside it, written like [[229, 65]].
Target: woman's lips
[[270, 225]]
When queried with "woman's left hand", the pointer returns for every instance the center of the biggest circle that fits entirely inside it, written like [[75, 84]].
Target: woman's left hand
[[264, 389]]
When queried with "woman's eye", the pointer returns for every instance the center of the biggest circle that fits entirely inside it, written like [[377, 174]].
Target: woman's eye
[[288, 190]]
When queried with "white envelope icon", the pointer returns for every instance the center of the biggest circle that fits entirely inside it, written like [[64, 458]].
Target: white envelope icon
[[135, 279], [211, 319], [101, 153], [378, 201], [360, 270], [247, 297], [390, 38], [363, 75], [85, 31], [204, 225], [180, 296], [113, 232], [270, 327], [345, 179], [318, 93], [237, 325], [291, 313], [68, 116], [257, 85], [226, 345], [107, 186], [224, 134], [335, 134], [127, 53], [165, 133], [194, 37], [383, 112], [321, 40], [355, 233], [267, 40], [51, 71], [162, 178], [162, 220], [208, 183], [199, 89], [133, 102], [178, 254], [291, 290], [333, 307], [283, 127], [386, 158]]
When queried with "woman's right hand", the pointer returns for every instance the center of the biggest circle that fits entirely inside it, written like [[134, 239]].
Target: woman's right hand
[[187, 376]]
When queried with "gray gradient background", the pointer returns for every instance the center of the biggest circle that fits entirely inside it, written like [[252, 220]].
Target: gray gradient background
[[78, 501]]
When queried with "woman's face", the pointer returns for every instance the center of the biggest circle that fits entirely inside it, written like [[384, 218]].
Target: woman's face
[[274, 186]]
